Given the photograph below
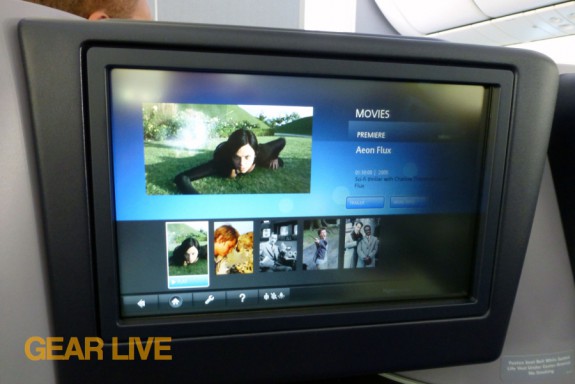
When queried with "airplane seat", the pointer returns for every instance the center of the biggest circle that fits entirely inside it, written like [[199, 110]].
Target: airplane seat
[[545, 286], [542, 327], [23, 286]]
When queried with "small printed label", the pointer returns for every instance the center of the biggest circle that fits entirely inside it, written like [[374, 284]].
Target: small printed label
[[536, 367]]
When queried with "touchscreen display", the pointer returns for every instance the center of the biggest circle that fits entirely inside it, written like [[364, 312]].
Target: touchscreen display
[[243, 191]]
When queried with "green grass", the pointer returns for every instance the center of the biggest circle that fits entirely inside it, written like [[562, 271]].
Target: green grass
[[225, 112], [164, 162], [199, 268], [180, 231], [298, 127]]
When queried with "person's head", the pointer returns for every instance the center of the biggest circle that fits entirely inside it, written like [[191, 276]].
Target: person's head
[[101, 9], [273, 238], [357, 226], [225, 238], [322, 233], [192, 247], [242, 146], [367, 230], [187, 252]]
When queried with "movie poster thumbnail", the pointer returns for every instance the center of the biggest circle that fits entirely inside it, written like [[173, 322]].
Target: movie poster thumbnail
[[320, 244], [187, 248], [278, 246], [234, 247], [361, 242]]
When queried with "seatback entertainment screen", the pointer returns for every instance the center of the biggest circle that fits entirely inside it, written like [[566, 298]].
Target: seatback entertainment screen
[[244, 191], [236, 191]]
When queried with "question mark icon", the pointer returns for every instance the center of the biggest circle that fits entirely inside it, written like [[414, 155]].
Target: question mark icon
[[242, 297]]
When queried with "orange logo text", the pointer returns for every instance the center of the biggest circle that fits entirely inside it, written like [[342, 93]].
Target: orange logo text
[[39, 348]]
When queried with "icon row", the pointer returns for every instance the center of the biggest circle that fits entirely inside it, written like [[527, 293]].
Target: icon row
[[183, 302]]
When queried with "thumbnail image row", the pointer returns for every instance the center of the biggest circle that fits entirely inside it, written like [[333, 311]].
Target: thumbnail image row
[[280, 245]]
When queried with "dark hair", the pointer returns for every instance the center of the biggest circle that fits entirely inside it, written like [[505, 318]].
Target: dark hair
[[240, 138], [356, 236], [223, 155], [179, 255]]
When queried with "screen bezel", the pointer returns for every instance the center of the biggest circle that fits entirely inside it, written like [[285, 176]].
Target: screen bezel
[[100, 60]]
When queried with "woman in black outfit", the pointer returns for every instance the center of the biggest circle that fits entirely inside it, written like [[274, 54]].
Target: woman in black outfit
[[238, 155]]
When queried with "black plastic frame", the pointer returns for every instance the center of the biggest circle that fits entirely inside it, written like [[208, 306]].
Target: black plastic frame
[[349, 340], [561, 147]]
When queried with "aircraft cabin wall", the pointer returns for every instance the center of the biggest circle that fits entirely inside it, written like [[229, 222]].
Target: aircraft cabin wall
[[275, 14]]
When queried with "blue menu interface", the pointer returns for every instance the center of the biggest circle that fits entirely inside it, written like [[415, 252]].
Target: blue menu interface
[[350, 183]]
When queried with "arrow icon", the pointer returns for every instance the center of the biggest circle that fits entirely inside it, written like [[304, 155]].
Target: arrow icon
[[141, 303]]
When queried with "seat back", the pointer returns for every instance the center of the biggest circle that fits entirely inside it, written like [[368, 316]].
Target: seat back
[[23, 282]]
